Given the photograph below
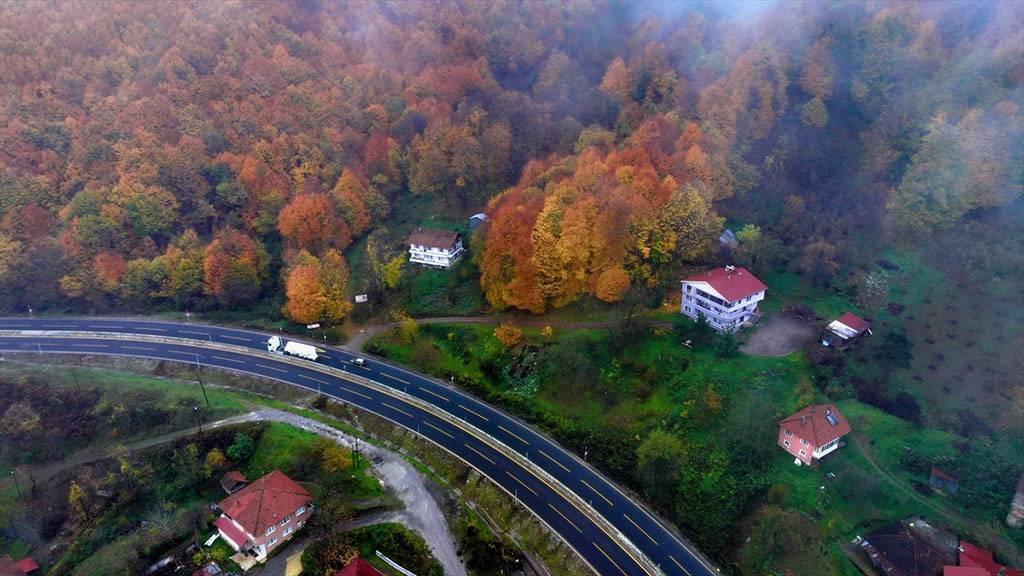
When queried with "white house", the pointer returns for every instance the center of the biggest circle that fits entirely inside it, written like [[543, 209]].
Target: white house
[[727, 297], [430, 247]]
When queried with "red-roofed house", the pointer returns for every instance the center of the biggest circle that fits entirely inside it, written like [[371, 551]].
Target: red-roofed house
[[813, 432], [727, 297], [431, 247], [845, 330], [266, 512], [24, 567], [975, 561], [358, 567]]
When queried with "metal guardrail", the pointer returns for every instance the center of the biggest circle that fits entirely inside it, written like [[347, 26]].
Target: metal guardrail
[[557, 486]]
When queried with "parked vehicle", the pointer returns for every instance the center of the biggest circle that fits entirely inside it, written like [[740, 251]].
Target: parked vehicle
[[274, 344]]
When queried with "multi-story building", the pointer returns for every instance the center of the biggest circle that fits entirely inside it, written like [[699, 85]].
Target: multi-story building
[[726, 297], [259, 517], [813, 432], [430, 247]]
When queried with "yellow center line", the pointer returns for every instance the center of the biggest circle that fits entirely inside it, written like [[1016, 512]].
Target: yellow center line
[[596, 491], [481, 454], [513, 434], [521, 483], [227, 359], [548, 456], [596, 545], [272, 368], [475, 413], [633, 522], [564, 517], [439, 430], [680, 565], [397, 409], [432, 393], [394, 378]]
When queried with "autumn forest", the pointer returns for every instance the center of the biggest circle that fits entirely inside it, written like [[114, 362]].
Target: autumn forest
[[208, 155]]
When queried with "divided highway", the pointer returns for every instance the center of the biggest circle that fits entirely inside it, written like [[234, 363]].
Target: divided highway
[[599, 547]]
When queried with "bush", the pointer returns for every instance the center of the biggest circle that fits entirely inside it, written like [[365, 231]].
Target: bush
[[242, 448]]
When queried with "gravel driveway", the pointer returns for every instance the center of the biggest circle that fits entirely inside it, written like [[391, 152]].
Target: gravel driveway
[[421, 513], [779, 336]]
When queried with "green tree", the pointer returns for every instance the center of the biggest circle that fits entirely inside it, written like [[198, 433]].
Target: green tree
[[658, 460], [814, 113], [242, 448], [726, 345]]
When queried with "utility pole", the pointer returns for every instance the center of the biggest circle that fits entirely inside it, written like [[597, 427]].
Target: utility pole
[[14, 474], [200, 379]]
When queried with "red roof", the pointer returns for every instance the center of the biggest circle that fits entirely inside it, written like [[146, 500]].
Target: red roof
[[854, 321], [972, 556], [432, 238], [8, 567], [813, 424], [358, 567], [265, 502], [964, 571], [231, 531], [731, 284]]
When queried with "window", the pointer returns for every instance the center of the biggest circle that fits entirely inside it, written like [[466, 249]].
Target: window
[[285, 520], [272, 541], [805, 442], [689, 288], [300, 511], [271, 529], [687, 308], [802, 453], [785, 443], [788, 433], [287, 531]]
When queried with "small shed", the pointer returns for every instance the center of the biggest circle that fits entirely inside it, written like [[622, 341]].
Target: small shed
[[476, 220], [845, 330], [233, 481], [943, 481], [728, 239]]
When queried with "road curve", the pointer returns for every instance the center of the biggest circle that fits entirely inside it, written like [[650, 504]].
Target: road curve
[[606, 554]]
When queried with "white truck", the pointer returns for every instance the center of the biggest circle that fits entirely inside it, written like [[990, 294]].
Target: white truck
[[274, 344]]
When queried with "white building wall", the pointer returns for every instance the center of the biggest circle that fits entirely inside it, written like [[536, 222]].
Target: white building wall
[[697, 299], [435, 256]]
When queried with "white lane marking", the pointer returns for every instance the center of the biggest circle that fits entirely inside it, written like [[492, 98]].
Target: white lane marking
[[566, 518], [521, 483], [475, 413], [397, 409], [439, 430], [596, 491], [633, 522], [513, 434], [227, 359], [233, 337], [432, 393], [480, 454], [614, 563], [271, 368], [393, 378], [548, 456]]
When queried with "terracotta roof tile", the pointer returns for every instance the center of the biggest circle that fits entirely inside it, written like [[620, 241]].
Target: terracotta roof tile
[[813, 424], [358, 567], [265, 502], [854, 321]]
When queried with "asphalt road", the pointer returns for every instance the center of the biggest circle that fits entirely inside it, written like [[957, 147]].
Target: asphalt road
[[604, 553]]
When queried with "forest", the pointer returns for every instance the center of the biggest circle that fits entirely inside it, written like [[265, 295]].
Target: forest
[[259, 158], [210, 156]]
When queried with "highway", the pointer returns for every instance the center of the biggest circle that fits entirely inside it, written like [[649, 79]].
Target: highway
[[592, 541]]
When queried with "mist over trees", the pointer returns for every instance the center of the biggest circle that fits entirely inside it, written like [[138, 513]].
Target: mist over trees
[[211, 155]]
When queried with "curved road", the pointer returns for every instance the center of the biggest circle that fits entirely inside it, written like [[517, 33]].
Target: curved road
[[605, 553]]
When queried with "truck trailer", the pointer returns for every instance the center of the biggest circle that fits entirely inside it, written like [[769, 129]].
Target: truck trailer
[[274, 344]]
